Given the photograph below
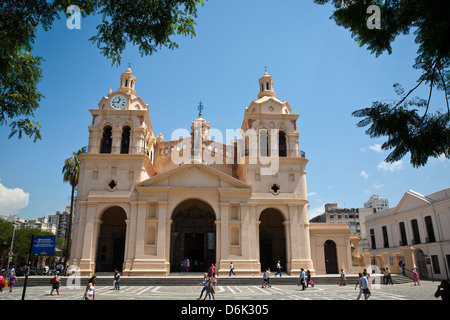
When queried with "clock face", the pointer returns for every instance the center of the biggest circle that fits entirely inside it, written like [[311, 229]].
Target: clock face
[[118, 102]]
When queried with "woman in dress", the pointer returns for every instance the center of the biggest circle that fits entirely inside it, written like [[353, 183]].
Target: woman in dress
[[416, 277]]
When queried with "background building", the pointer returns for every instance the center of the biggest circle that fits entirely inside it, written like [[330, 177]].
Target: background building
[[377, 203], [416, 231], [354, 217], [61, 222]]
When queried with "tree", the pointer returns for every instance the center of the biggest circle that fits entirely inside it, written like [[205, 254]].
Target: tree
[[71, 172], [147, 24], [409, 125]]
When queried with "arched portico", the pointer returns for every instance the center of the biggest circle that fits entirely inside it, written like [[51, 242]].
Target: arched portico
[[272, 239], [110, 250], [193, 235]]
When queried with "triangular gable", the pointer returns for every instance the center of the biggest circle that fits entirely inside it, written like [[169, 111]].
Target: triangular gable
[[193, 176], [411, 200]]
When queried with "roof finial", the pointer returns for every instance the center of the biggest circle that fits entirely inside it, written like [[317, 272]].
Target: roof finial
[[266, 68], [200, 108]]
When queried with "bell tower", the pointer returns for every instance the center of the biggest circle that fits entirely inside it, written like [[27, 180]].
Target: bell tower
[[121, 140]]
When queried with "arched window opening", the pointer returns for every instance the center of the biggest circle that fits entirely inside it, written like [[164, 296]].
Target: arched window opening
[[282, 149], [125, 143], [263, 143], [106, 142]]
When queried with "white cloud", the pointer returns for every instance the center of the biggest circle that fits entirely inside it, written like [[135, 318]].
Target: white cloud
[[378, 186], [314, 212], [394, 166], [12, 200], [364, 174], [376, 148], [312, 194]]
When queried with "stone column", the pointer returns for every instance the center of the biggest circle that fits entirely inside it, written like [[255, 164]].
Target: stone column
[[90, 232], [116, 140], [224, 234], [245, 232], [163, 233], [141, 229]]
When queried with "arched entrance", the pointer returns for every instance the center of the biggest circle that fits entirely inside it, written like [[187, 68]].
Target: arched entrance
[[421, 263], [193, 236], [272, 240], [111, 240], [331, 264]]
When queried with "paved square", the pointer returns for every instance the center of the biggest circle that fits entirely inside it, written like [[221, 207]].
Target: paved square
[[405, 291]]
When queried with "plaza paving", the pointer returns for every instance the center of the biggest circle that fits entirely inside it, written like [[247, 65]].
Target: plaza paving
[[403, 291]]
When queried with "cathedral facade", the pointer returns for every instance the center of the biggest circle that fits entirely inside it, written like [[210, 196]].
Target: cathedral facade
[[145, 204]]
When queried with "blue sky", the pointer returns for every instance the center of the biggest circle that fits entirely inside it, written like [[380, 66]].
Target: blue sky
[[317, 67]]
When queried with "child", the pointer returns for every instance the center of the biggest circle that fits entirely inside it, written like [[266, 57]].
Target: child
[[117, 280], [12, 282]]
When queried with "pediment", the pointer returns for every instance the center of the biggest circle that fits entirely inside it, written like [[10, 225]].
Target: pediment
[[193, 176], [411, 200]]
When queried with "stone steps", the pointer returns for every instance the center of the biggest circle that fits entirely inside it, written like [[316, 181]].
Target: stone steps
[[195, 279]]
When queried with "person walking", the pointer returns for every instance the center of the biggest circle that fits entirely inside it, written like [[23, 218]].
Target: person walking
[[278, 268], [117, 280], [210, 289], [303, 278], [388, 275], [89, 294], [343, 278], [359, 283], [214, 281], [416, 277], [212, 269], [309, 281], [2, 281], [264, 279], [12, 281], [268, 273], [365, 286], [231, 269], [204, 283], [56, 283]]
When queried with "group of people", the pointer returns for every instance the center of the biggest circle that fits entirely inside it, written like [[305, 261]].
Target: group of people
[[305, 279], [364, 285], [209, 283], [7, 279]]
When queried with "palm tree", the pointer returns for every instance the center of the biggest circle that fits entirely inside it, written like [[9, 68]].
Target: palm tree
[[71, 172]]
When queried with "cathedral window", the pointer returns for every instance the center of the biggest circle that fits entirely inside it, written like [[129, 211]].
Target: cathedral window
[[282, 150], [106, 142], [275, 188], [263, 143], [112, 185], [267, 86], [125, 142]]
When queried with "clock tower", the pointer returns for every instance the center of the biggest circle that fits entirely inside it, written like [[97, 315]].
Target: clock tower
[[121, 140]]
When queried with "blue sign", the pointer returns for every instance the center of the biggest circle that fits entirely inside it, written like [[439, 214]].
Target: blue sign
[[43, 245]]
